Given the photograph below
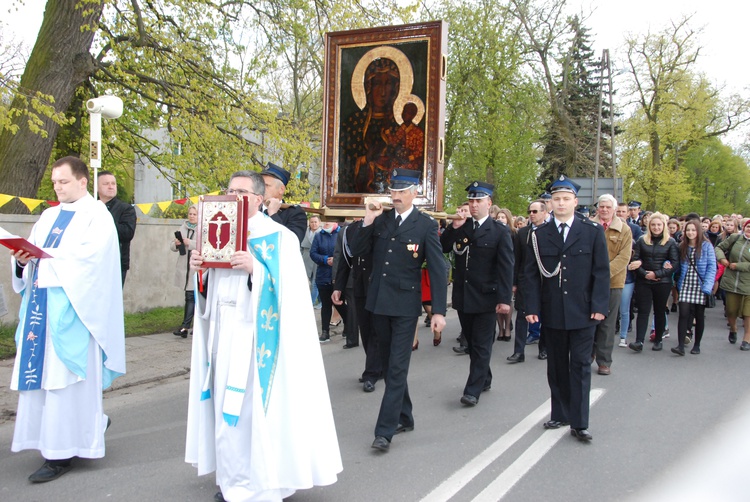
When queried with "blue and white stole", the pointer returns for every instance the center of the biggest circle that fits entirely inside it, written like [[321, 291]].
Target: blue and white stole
[[267, 252], [34, 335]]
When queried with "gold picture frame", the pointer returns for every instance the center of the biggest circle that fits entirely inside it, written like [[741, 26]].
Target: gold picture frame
[[384, 108]]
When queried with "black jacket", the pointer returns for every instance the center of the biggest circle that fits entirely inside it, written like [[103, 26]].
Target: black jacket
[[566, 301], [293, 218], [653, 258], [124, 216], [356, 269], [484, 272], [397, 256]]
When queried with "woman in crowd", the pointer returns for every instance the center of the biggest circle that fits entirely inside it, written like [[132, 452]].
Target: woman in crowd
[[321, 252], [520, 222], [183, 277], [730, 228], [734, 254], [714, 229], [695, 284], [674, 230], [505, 321], [655, 259], [705, 224]]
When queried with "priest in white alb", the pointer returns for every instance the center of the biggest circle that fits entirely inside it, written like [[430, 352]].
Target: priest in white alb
[[70, 338], [259, 411]]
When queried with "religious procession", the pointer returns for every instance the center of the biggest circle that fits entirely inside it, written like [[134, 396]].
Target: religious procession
[[379, 229]]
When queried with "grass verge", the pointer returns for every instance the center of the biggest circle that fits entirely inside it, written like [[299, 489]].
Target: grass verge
[[158, 320]]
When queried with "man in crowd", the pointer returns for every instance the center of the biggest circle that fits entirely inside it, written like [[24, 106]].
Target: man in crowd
[[634, 210], [259, 413], [462, 212], [293, 217], [70, 338], [622, 212], [313, 227], [400, 241], [537, 216], [619, 247], [356, 270], [567, 283], [123, 214], [483, 282]]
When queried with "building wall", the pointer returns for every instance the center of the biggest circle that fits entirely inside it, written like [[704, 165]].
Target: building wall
[[149, 283]]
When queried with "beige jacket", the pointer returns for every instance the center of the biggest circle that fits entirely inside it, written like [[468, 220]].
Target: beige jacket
[[620, 247]]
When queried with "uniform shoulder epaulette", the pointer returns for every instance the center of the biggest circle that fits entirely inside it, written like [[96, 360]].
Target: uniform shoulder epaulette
[[592, 223]]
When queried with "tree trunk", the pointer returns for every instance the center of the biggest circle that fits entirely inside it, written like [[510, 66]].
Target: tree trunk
[[59, 61]]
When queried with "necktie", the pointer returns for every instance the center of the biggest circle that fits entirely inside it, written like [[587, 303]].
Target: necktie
[[476, 224], [398, 220], [563, 226], [605, 225]]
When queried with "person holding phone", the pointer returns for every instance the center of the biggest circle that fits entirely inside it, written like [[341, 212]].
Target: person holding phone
[[184, 242]]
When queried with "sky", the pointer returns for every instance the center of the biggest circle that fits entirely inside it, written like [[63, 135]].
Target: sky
[[724, 24]]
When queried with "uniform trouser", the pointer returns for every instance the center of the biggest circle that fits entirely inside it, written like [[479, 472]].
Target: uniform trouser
[[187, 317], [479, 332], [646, 295], [351, 328], [604, 339], [373, 371], [395, 336], [569, 373]]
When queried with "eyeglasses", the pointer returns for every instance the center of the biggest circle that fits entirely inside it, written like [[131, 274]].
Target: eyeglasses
[[533, 211], [238, 191]]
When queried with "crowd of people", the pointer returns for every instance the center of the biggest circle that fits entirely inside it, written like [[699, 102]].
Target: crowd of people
[[259, 411]]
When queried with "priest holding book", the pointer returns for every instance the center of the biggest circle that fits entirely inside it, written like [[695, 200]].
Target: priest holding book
[[259, 413], [70, 338]]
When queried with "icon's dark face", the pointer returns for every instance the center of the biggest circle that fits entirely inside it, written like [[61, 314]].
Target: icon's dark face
[[383, 91], [410, 111]]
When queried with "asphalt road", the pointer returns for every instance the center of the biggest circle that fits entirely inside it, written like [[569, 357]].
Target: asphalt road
[[665, 428]]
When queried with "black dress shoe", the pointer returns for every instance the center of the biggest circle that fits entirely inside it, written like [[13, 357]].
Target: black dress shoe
[[657, 346], [554, 424], [404, 428], [50, 470], [542, 355], [350, 345], [487, 387], [219, 497], [469, 400], [461, 350], [678, 350], [381, 443], [636, 346], [696, 350], [732, 337], [516, 358], [581, 434], [368, 386]]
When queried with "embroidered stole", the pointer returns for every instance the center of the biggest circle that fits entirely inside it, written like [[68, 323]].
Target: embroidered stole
[[34, 337]]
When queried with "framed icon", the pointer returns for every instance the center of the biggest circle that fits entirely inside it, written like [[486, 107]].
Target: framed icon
[[384, 99]]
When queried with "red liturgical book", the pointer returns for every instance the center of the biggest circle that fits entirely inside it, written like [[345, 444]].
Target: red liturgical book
[[222, 228], [16, 243]]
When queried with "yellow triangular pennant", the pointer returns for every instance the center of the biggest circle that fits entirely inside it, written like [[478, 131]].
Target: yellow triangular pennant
[[194, 200], [30, 203], [217, 192], [164, 205], [4, 199], [146, 208]]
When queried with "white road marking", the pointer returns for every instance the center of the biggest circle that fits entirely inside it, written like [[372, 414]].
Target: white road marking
[[509, 477], [498, 488]]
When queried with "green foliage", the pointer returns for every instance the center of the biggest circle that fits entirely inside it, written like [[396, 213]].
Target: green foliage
[[493, 107], [678, 110], [573, 151]]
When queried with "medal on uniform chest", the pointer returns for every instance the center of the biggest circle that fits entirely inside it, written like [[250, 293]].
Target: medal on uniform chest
[[414, 248]]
